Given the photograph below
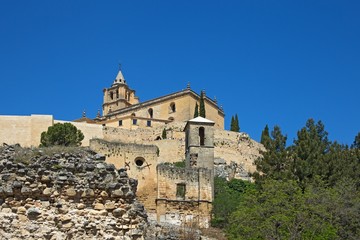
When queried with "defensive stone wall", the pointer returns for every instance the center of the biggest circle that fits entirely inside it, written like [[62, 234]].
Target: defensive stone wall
[[140, 160], [184, 195], [25, 130]]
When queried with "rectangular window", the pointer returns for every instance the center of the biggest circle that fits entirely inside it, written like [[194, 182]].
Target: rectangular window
[[148, 123], [120, 122], [134, 121], [180, 191]]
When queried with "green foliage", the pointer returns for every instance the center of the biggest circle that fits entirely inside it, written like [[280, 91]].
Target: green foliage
[[356, 143], [202, 111], [309, 190], [196, 111], [61, 134], [163, 135], [275, 162], [234, 125], [180, 164], [227, 198], [280, 210]]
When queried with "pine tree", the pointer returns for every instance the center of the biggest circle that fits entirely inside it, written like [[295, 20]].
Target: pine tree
[[196, 112], [356, 143], [265, 137], [275, 163], [202, 112]]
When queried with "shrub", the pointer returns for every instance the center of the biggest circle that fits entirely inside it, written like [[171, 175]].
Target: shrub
[[61, 134]]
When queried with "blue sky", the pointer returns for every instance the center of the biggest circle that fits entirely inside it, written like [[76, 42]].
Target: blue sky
[[271, 62]]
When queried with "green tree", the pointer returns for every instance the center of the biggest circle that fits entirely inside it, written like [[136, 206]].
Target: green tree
[[356, 143], [309, 150], [63, 134], [234, 124], [163, 135], [196, 111], [265, 137], [275, 162], [228, 195], [202, 111], [280, 210]]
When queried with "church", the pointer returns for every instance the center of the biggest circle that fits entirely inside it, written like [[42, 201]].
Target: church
[[122, 108]]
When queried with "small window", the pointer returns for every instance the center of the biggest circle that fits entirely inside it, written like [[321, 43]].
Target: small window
[[120, 123], [139, 161], [103, 124], [151, 113], [148, 123], [172, 107], [171, 118], [202, 136], [117, 93], [134, 121], [180, 191], [111, 95], [133, 114]]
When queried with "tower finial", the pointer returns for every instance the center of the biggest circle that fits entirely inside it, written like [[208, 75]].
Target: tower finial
[[188, 85], [83, 113]]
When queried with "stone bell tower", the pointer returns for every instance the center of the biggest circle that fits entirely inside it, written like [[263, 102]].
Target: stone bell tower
[[118, 96], [199, 143]]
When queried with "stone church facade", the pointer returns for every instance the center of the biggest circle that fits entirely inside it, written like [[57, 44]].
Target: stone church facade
[[122, 108]]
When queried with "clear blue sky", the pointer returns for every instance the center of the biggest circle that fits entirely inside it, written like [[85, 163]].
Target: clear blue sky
[[271, 62]]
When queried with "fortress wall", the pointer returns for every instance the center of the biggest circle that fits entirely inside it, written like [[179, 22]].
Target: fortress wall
[[125, 155], [25, 130], [230, 146], [194, 206], [89, 130]]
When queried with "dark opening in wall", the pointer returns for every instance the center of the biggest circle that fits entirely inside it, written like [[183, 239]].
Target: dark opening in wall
[[180, 191], [172, 107], [202, 136], [139, 161], [151, 113]]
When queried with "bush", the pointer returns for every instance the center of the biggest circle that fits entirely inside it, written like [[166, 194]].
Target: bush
[[61, 134]]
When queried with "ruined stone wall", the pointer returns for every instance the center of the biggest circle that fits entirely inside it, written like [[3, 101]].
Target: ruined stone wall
[[140, 160], [66, 195], [194, 205]]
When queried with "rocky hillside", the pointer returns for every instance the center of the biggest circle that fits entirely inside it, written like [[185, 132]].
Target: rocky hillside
[[66, 194]]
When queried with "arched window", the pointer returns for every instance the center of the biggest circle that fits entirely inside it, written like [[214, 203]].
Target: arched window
[[111, 95], [202, 136], [117, 93], [139, 161], [151, 112], [172, 107]]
